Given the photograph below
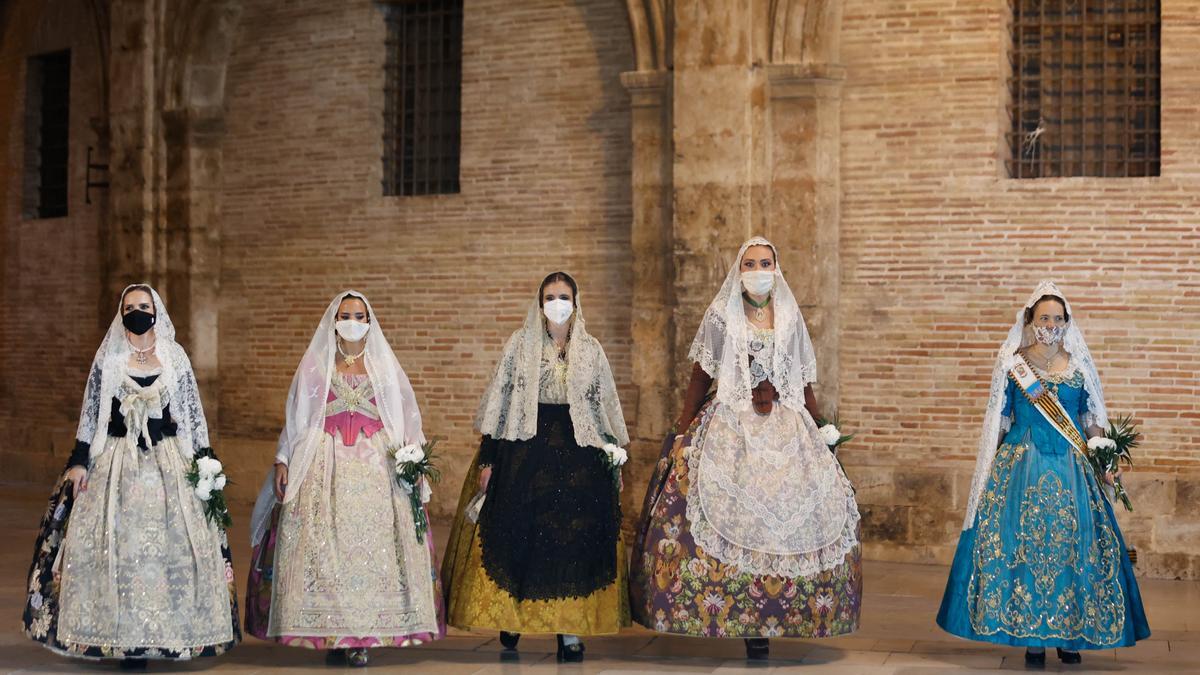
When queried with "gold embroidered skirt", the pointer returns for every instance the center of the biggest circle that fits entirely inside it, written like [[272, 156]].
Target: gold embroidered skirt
[[475, 601]]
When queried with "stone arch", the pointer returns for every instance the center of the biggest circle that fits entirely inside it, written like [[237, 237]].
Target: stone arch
[[804, 31], [804, 78], [649, 22]]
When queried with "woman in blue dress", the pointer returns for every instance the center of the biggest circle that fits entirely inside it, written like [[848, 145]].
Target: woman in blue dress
[[1041, 562]]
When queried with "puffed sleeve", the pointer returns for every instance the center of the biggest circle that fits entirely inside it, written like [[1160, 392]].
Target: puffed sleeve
[[1006, 413]]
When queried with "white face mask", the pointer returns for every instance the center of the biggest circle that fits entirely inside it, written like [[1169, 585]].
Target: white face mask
[[1049, 335], [558, 311], [351, 330], [758, 282]]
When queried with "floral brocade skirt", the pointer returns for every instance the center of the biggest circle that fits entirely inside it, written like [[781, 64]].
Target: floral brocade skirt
[[676, 587], [340, 565], [131, 568]]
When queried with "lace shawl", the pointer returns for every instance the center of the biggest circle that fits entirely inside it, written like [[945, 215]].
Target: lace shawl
[[508, 409], [307, 401], [721, 343], [109, 371]]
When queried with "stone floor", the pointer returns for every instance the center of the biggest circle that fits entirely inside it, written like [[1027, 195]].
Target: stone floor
[[898, 634]]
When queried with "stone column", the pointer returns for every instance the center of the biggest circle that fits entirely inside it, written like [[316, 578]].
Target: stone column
[[128, 240], [192, 269], [717, 99], [805, 201], [653, 268]]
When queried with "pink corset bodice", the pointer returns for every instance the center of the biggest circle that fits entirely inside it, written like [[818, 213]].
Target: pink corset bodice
[[350, 408]]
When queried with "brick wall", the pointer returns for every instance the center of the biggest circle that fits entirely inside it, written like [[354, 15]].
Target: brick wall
[[939, 250], [545, 186], [49, 268]]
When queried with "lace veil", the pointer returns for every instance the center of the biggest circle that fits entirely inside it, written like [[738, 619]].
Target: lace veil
[[110, 367], [508, 409], [721, 346]]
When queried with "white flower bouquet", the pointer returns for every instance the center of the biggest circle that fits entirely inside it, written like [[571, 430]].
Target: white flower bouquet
[[1107, 452], [614, 456], [831, 434], [415, 472], [208, 482]]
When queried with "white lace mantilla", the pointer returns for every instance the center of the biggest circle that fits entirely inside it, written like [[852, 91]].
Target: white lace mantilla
[[308, 404], [766, 494], [109, 377], [722, 343], [508, 409]]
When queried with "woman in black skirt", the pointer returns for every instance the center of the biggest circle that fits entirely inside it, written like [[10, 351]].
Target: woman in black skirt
[[535, 546]]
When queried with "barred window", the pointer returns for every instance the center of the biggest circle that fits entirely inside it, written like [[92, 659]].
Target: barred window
[[1085, 90], [423, 97], [47, 121]]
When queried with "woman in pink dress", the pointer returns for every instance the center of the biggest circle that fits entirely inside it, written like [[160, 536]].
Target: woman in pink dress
[[339, 560]]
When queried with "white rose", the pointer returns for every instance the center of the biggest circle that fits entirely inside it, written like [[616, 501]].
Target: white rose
[[204, 491], [1100, 442], [409, 453], [619, 456], [829, 434], [219, 482], [207, 466]]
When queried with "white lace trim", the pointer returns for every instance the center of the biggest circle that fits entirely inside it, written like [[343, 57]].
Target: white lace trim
[[110, 370], [771, 500], [721, 342]]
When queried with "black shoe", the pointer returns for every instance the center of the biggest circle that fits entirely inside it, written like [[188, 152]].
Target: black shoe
[[569, 653], [509, 640], [1035, 660], [133, 664], [357, 658], [1069, 657], [335, 657], [757, 649]]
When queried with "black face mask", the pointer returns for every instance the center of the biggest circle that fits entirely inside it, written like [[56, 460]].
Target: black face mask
[[138, 322]]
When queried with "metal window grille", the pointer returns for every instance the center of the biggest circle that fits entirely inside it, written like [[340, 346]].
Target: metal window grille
[[423, 97], [47, 123], [1085, 90]]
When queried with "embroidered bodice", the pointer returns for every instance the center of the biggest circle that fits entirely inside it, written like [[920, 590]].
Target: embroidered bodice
[[141, 405], [350, 408], [552, 374], [760, 345], [1023, 422]]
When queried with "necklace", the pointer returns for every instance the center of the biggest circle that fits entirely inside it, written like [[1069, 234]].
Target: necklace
[[350, 358], [1042, 362], [760, 313], [139, 355], [562, 350], [560, 362]]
